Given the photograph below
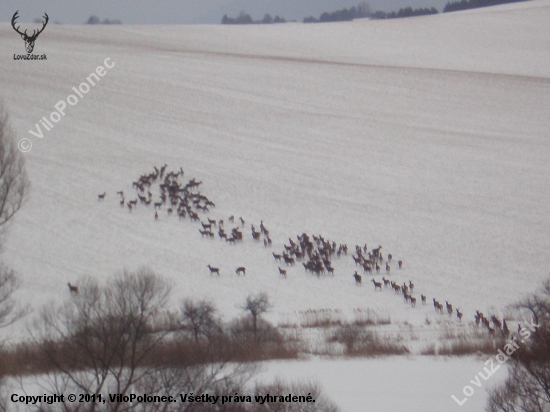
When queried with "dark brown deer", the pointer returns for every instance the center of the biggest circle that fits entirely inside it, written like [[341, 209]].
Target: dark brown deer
[[213, 270], [206, 233], [276, 256], [505, 330], [377, 285], [122, 202], [400, 263], [241, 270], [413, 302], [411, 285], [423, 299], [72, 288], [357, 278], [449, 308], [156, 216], [388, 268], [459, 315], [29, 40], [101, 197], [282, 272]]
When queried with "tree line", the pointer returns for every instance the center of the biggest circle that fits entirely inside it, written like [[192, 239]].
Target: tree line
[[473, 4], [245, 18]]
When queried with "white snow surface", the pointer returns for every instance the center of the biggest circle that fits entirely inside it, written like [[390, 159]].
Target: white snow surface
[[428, 136]]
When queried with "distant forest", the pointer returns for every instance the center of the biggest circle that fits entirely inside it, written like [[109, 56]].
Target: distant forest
[[363, 11], [244, 18], [473, 4]]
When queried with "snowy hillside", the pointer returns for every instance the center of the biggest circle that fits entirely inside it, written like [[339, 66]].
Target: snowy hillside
[[428, 136]]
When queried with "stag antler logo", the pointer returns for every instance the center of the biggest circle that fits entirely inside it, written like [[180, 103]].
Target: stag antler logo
[[29, 40]]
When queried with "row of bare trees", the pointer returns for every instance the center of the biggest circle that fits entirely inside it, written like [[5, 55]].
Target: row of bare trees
[[120, 338]]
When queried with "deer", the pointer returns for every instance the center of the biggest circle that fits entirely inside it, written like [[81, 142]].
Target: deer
[[122, 202], [156, 216], [411, 285], [399, 263], [458, 315], [413, 302], [213, 270], [390, 257], [101, 197], [241, 269], [386, 282], [505, 330], [423, 299], [206, 233], [388, 268], [357, 278], [449, 308], [282, 272], [72, 288], [231, 218], [29, 40], [377, 268], [276, 256], [377, 285], [157, 204]]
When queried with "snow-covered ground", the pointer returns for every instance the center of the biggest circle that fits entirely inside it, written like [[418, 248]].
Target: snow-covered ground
[[428, 136]]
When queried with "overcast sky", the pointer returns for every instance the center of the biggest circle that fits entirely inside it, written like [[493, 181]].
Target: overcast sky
[[185, 11]]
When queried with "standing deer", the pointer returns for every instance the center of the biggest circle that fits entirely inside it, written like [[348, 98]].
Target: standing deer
[[213, 270], [101, 197], [241, 269], [72, 288], [377, 285], [282, 272], [357, 278]]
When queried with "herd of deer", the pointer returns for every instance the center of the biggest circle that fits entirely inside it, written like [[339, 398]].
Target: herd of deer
[[315, 252], [178, 197], [501, 326]]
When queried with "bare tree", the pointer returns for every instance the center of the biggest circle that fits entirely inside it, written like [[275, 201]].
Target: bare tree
[[527, 388], [14, 183], [103, 340], [200, 317], [256, 305], [9, 311]]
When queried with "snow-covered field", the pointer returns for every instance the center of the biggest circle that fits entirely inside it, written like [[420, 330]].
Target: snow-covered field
[[428, 136]]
